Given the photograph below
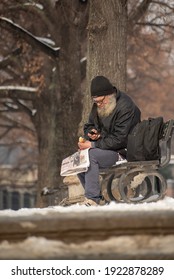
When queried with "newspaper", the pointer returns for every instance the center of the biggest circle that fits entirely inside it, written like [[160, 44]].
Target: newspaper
[[75, 163]]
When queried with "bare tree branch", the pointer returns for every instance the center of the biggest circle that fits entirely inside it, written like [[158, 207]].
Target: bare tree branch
[[14, 124], [137, 13], [23, 107], [7, 59], [9, 107], [156, 24], [162, 3], [26, 93], [6, 132], [28, 37]]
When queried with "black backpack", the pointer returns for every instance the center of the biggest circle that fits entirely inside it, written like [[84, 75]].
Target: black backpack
[[143, 141]]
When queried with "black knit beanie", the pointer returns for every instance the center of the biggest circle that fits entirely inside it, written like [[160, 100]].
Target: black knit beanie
[[101, 86]]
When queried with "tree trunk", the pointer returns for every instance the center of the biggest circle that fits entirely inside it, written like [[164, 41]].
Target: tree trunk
[[59, 106], [107, 40]]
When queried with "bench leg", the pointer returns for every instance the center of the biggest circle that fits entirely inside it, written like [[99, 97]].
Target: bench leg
[[150, 185]]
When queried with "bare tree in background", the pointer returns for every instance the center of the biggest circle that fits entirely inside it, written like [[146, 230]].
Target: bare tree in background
[[56, 107], [151, 56]]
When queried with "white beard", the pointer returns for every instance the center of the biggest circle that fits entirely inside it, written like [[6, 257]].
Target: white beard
[[108, 108]]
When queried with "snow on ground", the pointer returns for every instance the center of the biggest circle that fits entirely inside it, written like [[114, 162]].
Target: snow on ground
[[116, 247], [166, 204], [42, 248]]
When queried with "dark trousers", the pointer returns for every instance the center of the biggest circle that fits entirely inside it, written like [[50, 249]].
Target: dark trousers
[[90, 180]]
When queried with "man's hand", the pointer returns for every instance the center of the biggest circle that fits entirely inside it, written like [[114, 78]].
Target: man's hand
[[93, 134], [85, 145]]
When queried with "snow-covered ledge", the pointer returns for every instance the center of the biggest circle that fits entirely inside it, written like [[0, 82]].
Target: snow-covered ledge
[[114, 231]]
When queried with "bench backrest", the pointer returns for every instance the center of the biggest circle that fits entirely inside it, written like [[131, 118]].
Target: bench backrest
[[166, 142]]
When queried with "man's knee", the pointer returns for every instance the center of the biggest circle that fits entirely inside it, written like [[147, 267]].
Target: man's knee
[[93, 154]]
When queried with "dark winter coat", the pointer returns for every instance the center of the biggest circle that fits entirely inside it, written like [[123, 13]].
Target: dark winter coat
[[115, 128]]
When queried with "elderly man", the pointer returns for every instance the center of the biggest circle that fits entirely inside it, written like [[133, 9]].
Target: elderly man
[[112, 117]]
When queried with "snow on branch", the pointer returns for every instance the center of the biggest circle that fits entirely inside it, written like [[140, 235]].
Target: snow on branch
[[21, 92], [29, 37]]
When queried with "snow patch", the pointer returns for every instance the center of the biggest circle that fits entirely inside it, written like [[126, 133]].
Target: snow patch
[[166, 204]]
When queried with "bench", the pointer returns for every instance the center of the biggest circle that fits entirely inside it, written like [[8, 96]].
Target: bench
[[140, 181]]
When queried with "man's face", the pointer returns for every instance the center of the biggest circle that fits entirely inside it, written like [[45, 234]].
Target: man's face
[[101, 101], [105, 104]]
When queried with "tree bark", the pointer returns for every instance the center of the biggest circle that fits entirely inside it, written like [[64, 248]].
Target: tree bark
[[107, 40]]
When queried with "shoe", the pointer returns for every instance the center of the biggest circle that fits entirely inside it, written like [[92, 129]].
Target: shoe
[[90, 202], [102, 201]]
